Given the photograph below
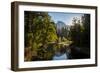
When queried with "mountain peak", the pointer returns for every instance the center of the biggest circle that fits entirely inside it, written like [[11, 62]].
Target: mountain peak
[[60, 24]]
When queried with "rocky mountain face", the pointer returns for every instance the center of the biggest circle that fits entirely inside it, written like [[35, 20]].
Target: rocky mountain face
[[60, 25]]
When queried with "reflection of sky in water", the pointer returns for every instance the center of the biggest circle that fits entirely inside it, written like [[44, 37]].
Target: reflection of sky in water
[[64, 17], [61, 57]]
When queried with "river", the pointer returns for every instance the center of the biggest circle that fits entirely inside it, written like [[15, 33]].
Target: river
[[59, 56]]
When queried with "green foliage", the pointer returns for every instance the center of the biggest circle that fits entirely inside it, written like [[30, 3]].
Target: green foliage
[[65, 32], [76, 32], [86, 32], [80, 31], [39, 31]]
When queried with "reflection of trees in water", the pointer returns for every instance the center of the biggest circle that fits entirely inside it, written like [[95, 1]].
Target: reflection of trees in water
[[71, 51]]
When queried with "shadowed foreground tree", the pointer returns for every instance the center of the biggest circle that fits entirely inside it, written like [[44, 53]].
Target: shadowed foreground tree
[[80, 31], [76, 31], [86, 32], [39, 31]]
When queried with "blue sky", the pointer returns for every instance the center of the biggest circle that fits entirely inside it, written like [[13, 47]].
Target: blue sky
[[64, 17]]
